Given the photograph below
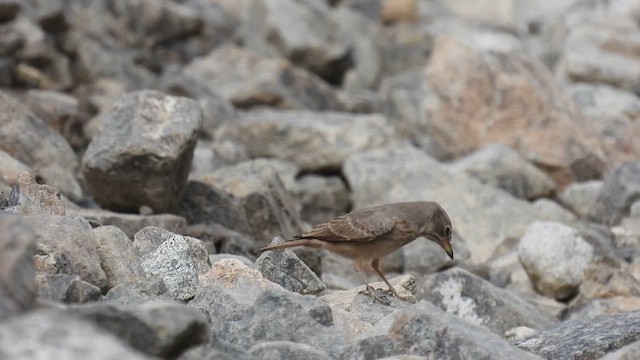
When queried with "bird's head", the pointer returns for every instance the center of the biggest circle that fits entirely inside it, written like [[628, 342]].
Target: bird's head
[[439, 230]]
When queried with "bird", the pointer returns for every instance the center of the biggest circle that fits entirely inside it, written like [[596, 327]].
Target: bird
[[365, 235]]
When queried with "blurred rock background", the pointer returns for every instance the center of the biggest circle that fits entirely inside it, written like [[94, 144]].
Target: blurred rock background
[[147, 147]]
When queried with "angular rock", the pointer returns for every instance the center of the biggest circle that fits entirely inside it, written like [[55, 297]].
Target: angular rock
[[589, 338], [130, 224], [159, 328], [210, 156], [405, 285], [549, 210], [50, 156], [620, 190], [528, 110], [17, 248], [613, 113], [423, 256], [302, 32], [10, 168], [68, 289], [602, 52], [284, 268], [364, 61], [312, 141], [67, 245], [246, 309], [143, 291], [218, 239], [248, 80], [478, 302], [119, 259], [175, 258], [628, 352], [503, 167], [407, 174], [30, 198], [143, 152], [555, 257], [269, 208], [580, 197], [278, 350], [321, 198], [203, 202], [614, 305], [446, 336], [60, 112], [32, 337]]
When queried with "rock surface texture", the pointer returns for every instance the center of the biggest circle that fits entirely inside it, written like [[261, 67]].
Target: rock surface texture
[[148, 148]]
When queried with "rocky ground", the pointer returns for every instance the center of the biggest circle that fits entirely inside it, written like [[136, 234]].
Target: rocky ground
[[148, 147]]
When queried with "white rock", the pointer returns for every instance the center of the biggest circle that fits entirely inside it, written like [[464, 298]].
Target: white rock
[[555, 257]]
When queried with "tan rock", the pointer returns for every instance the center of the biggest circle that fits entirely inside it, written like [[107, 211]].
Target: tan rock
[[495, 96]]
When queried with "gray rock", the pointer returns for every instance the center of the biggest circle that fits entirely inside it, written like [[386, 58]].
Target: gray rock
[[549, 210], [17, 248], [589, 338], [29, 197], [204, 202], [269, 208], [158, 328], [446, 336], [627, 352], [321, 198], [613, 113], [366, 65], [218, 239], [60, 112], [312, 141], [588, 57], [212, 155], [175, 258], [68, 289], [130, 224], [246, 309], [620, 190], [50, 335], [302, 32], [614, 305], [10, 168], [142, 291], [407, 174], [143, 152], [284, 268], [424, 256], [67, 245], [403, 95], [50, 156], [555, 258], [503, 167], [580, 197], [247, 80], [478, 302], [286, 350], [118, 257]]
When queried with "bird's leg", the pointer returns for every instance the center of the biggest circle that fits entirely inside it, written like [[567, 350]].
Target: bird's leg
[[374, 264], [370, 289]]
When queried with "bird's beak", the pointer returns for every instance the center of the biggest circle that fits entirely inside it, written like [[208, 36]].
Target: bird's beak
[[446, 245]]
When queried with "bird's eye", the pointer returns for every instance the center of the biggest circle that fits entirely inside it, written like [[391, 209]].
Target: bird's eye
[[447, 230]]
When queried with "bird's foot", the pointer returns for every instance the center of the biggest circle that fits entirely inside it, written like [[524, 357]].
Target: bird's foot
[[378, 295]]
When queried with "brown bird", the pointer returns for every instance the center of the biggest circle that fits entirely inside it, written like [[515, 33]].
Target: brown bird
[[366, 235]]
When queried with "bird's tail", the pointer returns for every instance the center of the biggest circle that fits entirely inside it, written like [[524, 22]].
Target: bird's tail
[[284, 245]]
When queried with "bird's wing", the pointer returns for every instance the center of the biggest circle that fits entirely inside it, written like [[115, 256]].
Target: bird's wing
[[357, 226]]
